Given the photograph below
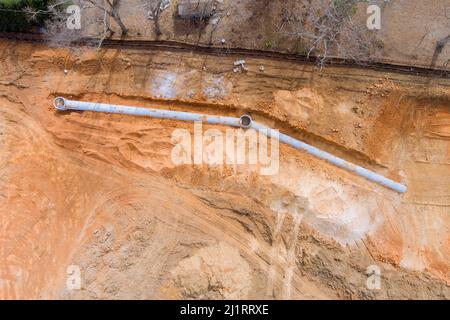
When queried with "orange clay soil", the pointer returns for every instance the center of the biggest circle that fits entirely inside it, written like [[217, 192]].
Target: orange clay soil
[[101, 192]]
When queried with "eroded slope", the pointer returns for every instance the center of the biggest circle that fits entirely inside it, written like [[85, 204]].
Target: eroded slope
[[101, 192]]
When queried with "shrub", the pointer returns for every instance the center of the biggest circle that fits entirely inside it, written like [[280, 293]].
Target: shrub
[[14, 19]]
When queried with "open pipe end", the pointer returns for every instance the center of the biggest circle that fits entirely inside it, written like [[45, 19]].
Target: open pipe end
[[60, 103], [245, 121]]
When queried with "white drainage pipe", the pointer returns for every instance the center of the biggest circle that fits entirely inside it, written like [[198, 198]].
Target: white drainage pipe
[[244, 122]]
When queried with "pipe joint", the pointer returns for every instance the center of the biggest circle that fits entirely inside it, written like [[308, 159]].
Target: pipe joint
[[60, 103], [245, 121]]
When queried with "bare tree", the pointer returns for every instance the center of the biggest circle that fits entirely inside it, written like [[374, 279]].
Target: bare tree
[[325, 28], [110, 8], [96, 16], [154, 8], [438, 50]]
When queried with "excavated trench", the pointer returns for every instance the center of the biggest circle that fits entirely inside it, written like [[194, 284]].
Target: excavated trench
[[100, 192]]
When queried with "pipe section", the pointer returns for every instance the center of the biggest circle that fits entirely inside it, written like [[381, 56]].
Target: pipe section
[[63, 104], [243, 122], [368, 174]]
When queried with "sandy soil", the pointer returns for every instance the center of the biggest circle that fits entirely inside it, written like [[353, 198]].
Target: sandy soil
[[410, 29], [101, 192]]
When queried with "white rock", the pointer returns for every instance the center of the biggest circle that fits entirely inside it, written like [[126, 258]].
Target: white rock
[[239, 62]]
